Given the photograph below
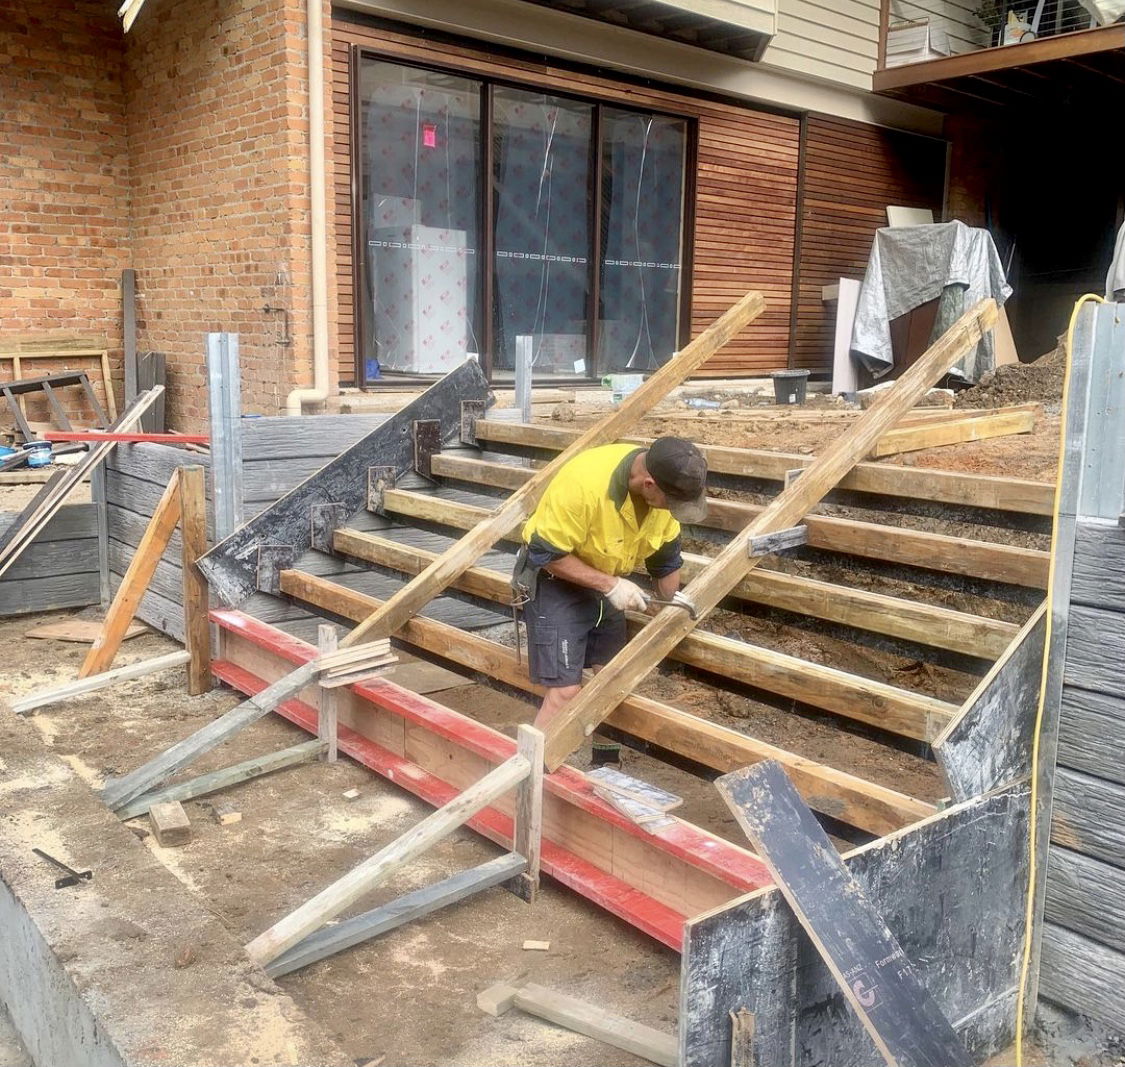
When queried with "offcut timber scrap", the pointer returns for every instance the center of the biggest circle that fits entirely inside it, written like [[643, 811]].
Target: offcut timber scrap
[[582, 1017], [659, 637], [867, 962]]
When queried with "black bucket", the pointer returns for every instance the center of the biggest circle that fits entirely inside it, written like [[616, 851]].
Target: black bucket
[[789, 386]]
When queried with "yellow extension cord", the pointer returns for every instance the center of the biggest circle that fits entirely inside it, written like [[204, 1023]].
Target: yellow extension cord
[[1033, 821]]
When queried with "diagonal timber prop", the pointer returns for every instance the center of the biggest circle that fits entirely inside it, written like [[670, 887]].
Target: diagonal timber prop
[[416, 594], [598, 698]]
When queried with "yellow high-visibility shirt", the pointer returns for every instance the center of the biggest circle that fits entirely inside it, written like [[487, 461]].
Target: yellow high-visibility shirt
[[587, 512]]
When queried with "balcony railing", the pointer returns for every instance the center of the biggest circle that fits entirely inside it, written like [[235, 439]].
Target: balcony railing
[[919, 32]]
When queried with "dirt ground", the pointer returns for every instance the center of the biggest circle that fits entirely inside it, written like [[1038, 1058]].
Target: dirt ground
[[298, 831]]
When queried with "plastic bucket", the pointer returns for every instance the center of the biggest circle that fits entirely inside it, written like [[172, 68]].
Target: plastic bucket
[[789, 386], [38, 453]]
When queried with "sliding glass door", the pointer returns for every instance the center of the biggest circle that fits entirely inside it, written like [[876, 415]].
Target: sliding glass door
[[514, 225]]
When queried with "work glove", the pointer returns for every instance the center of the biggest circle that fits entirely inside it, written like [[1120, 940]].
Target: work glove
[[627, 596]]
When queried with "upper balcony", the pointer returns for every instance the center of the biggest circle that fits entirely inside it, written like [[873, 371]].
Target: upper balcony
[[983, 55]]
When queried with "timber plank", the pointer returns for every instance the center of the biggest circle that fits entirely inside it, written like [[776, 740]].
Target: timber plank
[[870, 967], [864, 804], [863, 699], [946, 487], [892, 616], [135, 583], [405, 909], [956, 431], [364, 877], [893, 544], [582, 714]]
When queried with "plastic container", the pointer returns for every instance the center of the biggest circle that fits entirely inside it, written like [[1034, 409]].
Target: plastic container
[[38, 453], [789, 386], [622, 385]]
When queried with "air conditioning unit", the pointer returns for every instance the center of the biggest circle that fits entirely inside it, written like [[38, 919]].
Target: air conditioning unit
[[915, 42]]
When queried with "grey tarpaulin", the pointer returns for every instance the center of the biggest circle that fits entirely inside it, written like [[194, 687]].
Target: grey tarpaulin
[[1115, 279], [911, 265]]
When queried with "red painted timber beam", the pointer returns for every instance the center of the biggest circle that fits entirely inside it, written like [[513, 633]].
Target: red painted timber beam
[[742, 871]]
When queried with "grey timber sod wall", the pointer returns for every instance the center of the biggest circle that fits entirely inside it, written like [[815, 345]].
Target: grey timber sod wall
[[59, 569], [278, 453], [951, 890], [1082, 960]]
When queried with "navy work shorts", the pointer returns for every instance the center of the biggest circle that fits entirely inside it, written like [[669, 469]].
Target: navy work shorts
[[569, 628]]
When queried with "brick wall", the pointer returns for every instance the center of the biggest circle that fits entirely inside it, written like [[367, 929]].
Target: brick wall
[[216, 99], [63, 179]]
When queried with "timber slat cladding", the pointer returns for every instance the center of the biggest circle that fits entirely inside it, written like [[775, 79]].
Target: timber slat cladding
[[745, 195], [852, 172]]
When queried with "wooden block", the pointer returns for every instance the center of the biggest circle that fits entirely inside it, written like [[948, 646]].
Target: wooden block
[[537, 946], [225, 813], [869, 966], [170, 823], [497, 999]]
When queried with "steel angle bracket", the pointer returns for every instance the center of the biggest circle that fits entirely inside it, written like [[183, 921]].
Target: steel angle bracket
[[379, 480], [324, 521], [272, 560], [779, 541], [427, 444], [471, 410]]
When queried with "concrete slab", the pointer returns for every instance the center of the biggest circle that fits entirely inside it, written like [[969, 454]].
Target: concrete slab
[[129, 968]]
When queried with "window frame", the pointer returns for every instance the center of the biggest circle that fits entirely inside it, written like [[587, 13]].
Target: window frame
[[488, 83]]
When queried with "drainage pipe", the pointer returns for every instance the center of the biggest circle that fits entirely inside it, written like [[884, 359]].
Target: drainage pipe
[[317, 216]]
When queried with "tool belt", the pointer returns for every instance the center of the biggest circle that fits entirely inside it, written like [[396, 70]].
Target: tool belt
[[525, 578]]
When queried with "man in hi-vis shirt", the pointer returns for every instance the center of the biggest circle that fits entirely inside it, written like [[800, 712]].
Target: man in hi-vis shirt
[[607, 513]]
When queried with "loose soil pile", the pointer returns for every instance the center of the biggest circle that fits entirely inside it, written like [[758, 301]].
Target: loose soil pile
[[1019, 383]]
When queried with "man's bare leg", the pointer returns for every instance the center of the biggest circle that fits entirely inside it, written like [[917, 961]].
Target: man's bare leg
[[554, 700]]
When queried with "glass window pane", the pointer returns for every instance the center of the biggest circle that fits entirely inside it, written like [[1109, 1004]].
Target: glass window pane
[[542, 202], [420, 158], [642, 239]]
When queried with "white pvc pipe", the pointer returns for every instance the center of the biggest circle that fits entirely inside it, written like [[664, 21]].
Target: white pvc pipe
[[318, 218]]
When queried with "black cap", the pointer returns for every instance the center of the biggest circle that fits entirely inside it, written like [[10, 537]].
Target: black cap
[[680, 470]]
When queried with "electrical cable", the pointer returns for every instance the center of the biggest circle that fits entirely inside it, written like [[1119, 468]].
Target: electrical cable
[[1033, 819]]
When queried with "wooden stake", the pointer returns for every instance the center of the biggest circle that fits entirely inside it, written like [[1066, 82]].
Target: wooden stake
[[344, 892], [416, 594], [644, 652], [99, 681], [528, 832], [135, 583], [328, 699], [193, 531]]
